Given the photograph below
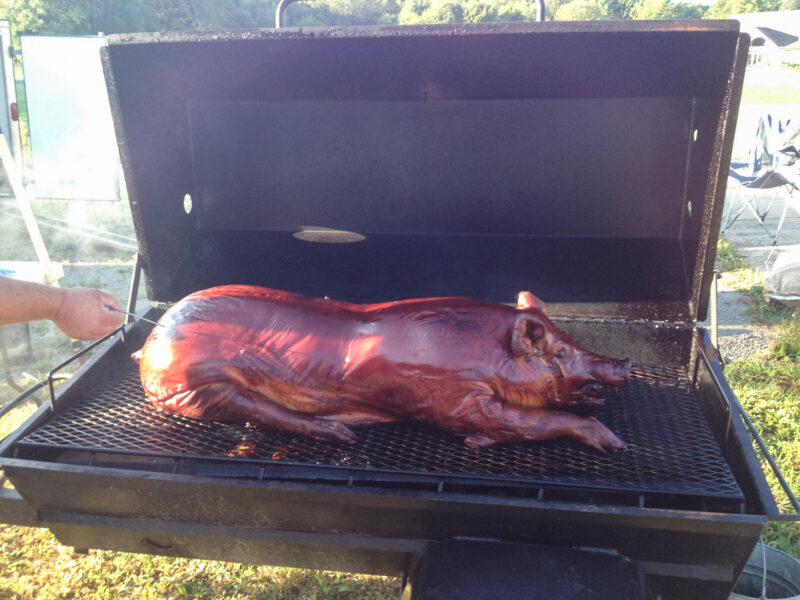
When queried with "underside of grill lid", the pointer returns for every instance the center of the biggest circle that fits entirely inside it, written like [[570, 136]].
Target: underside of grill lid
[[582, 161]]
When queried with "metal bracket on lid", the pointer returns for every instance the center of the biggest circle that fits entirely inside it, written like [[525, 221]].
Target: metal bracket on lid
[[133, 291], [714, 314]]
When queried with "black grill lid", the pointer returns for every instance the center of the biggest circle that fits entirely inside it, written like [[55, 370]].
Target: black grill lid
[[581, 161]]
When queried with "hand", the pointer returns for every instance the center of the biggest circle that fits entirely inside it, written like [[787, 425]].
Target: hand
[[85, 313]]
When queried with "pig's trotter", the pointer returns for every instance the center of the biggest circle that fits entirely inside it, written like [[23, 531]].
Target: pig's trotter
[[592, 432], [517, 424], [228, 402]]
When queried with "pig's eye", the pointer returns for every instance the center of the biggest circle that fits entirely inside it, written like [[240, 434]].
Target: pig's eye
[[560, 353]]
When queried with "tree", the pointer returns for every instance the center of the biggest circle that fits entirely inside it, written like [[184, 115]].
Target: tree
[[722, 9], [666, 9], [688, 10], [465, 11], [25, 16], [618, 9], [582, 10]]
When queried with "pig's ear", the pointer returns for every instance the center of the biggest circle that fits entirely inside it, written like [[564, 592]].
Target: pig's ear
[[527, 300], [527, 335]]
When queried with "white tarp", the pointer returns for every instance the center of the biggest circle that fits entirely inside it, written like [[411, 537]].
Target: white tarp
[[73, 145], [782, 283]]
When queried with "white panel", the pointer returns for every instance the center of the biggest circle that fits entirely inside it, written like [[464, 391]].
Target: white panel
[[72, 135]]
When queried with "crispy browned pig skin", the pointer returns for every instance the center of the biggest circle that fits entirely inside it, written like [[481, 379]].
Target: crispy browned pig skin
[[489, 372]]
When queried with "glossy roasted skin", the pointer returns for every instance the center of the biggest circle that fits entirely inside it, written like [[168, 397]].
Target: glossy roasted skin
[[488, 372]]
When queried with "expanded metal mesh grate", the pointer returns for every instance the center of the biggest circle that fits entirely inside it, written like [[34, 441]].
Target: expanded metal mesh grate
[[670, 447]]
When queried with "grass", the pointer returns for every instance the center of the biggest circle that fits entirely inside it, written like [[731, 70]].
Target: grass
[[770, 95], [768, 387], [35, 567]]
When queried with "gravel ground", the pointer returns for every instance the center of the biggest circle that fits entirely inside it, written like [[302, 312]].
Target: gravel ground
[[739, 337]]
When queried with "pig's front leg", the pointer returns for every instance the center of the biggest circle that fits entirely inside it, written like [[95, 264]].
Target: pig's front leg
[[496, 422]]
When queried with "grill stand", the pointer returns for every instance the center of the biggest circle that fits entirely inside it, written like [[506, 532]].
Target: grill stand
[[458, 569], [373, 530], [172, 531]]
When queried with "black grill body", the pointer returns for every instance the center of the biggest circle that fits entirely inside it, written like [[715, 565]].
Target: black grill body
[[581, 161]]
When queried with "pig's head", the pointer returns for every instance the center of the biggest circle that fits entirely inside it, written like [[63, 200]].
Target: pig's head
[[549, 369]]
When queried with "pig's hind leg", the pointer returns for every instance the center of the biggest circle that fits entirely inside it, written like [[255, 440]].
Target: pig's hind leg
[[229, 402], [496, 421]]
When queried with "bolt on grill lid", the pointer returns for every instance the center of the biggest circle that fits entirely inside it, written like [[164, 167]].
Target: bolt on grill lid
[[583, 161]]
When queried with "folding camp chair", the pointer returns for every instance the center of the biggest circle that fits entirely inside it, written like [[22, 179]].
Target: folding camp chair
[[771, 166]]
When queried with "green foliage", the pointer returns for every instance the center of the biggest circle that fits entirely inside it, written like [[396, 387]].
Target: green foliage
[[87, 17], [727, 257], [618, 9], [582, 10], [36, 567], [25, 16], [722, 9], [770, 392], [666, 9], [415, 12], [787, 345]]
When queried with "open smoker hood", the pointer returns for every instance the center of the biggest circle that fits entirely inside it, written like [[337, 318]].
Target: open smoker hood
[[582, 161]]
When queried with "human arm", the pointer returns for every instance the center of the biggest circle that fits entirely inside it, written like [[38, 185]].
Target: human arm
[[81, 313]]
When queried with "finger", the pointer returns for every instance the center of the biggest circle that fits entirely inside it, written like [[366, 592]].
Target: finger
[[109, 302]]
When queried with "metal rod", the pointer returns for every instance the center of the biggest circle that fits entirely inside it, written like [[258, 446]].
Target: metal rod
[[130, 315], [24, 205], [133, 291], [715, 313], [5, 360], [51, 376], [13, 403]]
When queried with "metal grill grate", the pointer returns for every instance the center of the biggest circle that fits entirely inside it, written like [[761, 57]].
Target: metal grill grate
[[670, 447]]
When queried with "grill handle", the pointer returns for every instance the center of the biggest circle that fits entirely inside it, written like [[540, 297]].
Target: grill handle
[[279, 21], [52, 376], [541, 11]]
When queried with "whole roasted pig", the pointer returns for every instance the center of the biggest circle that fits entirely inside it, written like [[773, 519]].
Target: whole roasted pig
[[489, 372]]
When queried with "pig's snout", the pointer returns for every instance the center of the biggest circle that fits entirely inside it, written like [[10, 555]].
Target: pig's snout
[[586, 390], [614, 371], [609, 371]]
